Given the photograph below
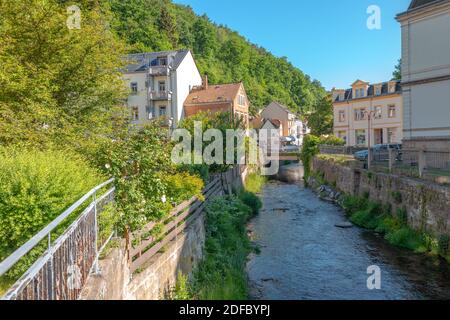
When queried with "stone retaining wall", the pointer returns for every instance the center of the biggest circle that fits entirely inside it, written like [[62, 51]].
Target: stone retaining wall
[[427, 204]]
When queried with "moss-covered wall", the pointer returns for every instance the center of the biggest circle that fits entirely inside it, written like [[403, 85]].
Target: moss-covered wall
[[427, 204]]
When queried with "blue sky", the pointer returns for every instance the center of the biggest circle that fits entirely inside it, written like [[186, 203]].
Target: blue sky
[[327, 39]]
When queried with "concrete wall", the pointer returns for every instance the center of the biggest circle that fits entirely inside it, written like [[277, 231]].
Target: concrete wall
[[115, 281], [427, 204], [159, 274]]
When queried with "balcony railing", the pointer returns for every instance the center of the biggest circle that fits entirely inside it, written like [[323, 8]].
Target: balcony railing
[[159, 70], [160, 95]]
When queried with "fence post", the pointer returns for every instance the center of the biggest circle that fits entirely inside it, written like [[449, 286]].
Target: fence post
[[422, 162], [391, 159], [51, 287]]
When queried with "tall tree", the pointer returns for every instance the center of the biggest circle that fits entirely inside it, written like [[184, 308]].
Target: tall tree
[[167, 23], [397, 74], [321, 119], [57, 84]]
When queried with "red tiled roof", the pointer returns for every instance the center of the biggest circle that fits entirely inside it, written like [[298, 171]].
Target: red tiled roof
[[214, 94]]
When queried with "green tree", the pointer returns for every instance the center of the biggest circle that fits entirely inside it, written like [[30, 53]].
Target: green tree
[[167, 24], [204, 35], [57, 85], [397, 74], [321, 119]]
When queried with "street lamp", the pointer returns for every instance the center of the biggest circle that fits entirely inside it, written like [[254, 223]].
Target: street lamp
[[369, 114]]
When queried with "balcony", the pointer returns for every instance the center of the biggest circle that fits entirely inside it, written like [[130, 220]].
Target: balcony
[[159, 70], [160, 95]]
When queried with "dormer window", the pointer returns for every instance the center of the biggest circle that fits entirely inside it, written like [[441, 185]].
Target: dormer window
[[162, 61], [359, 93], [378, 90], [392, 87]]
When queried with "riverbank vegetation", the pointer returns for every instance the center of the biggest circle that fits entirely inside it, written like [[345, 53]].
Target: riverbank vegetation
[[310, 149], [377, 217], [221, 275]]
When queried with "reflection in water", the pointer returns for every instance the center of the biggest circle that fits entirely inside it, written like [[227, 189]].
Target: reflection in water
[[304, 256]]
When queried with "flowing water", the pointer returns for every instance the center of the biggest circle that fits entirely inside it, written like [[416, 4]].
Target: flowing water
[[305, 256]]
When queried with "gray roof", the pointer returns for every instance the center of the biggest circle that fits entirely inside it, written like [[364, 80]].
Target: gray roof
[[281, 106], [419, 3], [138, 62], [371, 91]]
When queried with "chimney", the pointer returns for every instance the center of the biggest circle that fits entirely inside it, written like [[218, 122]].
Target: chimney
[[205, 82]]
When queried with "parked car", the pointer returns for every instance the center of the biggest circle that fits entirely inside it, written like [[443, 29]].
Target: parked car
[[380, 152]]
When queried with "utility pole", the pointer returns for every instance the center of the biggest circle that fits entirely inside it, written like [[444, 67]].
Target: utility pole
[[370, 113]]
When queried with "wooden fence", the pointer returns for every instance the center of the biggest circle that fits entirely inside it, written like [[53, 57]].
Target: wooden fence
[[144, 244]]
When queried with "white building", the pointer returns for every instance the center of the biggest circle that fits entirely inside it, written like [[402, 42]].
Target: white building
[[380, 102], [159, 83], [426, 75]]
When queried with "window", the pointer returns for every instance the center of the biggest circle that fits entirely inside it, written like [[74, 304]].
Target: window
[[378, 112], [392, 135], [391, 111], [360, 137], [360, 114], [392, 87], [162, 86], [135, 114], [377, 90], [162, 61], [162, 111], [342, 116], [241, 100], [134, 87]]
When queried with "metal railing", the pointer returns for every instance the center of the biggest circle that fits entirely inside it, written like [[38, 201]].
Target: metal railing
[[159, 70], [160, 95], [61, 271]]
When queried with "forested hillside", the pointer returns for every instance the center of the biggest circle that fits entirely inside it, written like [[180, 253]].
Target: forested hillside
[[156, 25]]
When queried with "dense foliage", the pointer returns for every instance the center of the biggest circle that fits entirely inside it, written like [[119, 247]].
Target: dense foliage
[[397, 74], [221, 275], [156, 25], [147, 183], [36, 187], [310, 148], [58, 86]]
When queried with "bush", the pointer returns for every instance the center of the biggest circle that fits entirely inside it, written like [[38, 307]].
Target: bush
[[183, 186], [251, 200], [35, 188], [255, 182]]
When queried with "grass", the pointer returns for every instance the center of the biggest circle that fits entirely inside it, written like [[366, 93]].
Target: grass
[[221, 275], [255, 182], [374, 216], [337, 158]]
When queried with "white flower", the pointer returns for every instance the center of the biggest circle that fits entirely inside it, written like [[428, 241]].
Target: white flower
[[107, 166], [163, 199]]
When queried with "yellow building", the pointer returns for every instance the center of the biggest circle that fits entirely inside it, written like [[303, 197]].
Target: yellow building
[[382, 103]]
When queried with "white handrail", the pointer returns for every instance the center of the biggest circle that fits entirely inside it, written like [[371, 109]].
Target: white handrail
[[9, 262]]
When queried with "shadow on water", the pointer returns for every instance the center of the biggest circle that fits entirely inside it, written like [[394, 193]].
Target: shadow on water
[[304, 256]]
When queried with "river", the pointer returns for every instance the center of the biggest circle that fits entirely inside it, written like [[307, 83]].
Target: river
[[304, 256]]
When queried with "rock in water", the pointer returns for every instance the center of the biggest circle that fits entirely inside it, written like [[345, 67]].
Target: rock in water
[[344, 225]]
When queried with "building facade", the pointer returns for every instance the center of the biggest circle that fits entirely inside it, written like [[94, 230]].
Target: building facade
[[230, 98], [276, 111], [381, 103], [159, 83], [426, 75]]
